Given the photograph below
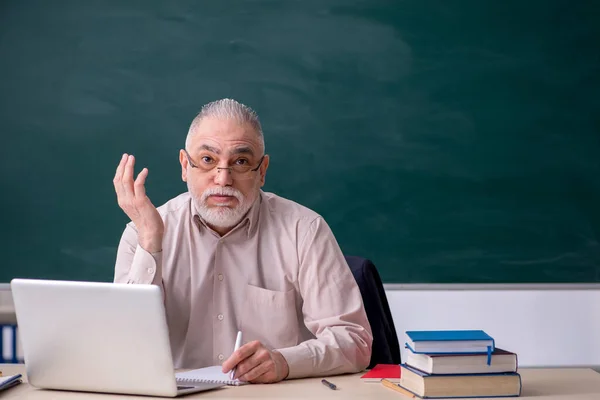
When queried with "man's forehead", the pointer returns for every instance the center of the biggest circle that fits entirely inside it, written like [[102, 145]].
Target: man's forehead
[[224, 136]]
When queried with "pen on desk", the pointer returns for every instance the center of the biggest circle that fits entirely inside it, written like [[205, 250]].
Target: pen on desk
[[238, 343], [328, 384]]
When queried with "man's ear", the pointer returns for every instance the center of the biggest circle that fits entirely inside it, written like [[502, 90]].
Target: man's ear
[[263, 170], [184, 164]]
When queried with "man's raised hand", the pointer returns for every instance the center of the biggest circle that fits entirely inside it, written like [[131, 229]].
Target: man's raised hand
[[131, 196]]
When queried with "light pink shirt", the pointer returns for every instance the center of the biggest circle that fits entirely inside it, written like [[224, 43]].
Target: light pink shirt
[[279, 276]]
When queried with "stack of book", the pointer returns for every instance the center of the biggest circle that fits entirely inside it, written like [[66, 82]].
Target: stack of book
[[466, 363]]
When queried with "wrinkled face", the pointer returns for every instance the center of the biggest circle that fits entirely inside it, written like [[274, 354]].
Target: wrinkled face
[[222, 171]]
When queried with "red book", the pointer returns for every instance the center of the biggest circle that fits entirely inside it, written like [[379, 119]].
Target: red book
[[380, 371]]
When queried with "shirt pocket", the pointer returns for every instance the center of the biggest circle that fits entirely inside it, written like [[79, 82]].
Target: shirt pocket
[[270, 317]]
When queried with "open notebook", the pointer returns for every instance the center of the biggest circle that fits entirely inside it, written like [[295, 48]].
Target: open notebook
[[207, 375]]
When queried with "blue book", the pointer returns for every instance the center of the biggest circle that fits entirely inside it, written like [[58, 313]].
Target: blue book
[[429, 386], [445, 342]]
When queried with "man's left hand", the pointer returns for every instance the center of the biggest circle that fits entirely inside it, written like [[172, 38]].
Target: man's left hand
[[254, 363]]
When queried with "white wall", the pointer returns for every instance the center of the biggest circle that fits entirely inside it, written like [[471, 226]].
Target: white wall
[[544, 327]]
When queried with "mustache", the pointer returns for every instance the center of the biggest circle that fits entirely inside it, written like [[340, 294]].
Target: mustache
[[222, 191]]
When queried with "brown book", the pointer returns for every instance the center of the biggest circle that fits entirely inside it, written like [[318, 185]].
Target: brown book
[[471, 385], [500, 361]]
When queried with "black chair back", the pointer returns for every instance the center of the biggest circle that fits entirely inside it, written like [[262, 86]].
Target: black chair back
[[386, 349]]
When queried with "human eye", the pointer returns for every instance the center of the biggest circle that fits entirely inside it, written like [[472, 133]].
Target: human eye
[[241, 165], [207, 160], [241, 161]]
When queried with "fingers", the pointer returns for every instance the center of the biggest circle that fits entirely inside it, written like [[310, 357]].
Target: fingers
[[127, 180], [239, 355], [130, 195], [138, 186], [123, 180], [254, 363], [262, 373], [260, 368], [274, 369], [247, 365], [119, 176], [120, 167]]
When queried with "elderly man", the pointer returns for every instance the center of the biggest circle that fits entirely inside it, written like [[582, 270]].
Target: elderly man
[[231, 257]]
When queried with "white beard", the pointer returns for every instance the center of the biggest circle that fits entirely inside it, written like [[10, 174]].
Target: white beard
[[221, 216]]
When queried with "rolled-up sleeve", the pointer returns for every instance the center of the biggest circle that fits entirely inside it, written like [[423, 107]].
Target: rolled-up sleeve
[[134, 264], [332, 308]]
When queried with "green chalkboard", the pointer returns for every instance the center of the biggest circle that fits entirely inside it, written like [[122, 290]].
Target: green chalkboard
[[448, 141]]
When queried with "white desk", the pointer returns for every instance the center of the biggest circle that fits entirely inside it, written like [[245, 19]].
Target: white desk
[[539, 384]]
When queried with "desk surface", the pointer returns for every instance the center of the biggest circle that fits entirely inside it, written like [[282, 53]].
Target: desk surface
[[541, 384]]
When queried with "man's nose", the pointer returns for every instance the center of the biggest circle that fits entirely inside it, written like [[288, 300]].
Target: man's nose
[[223, 176]]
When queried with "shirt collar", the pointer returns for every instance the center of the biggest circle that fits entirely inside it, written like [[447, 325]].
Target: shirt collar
[[250, 220]]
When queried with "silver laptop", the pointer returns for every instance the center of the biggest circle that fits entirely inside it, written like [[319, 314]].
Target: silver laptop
[[96, 337]]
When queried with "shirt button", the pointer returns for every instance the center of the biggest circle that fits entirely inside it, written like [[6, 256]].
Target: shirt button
[[220, 317], [220, 277], [221, 357], [150, 270]]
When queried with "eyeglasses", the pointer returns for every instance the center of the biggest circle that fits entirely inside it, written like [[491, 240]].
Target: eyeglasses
[[241, 169]]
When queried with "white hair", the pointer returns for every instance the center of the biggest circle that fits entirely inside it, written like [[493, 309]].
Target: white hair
[[227, 109]]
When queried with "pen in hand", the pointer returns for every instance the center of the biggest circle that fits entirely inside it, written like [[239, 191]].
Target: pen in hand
[[238, 343], [328, 384]]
